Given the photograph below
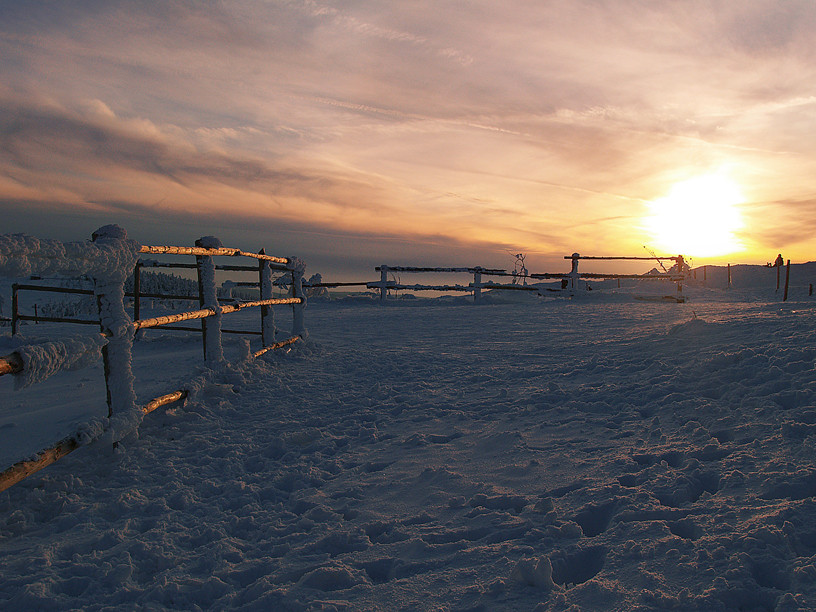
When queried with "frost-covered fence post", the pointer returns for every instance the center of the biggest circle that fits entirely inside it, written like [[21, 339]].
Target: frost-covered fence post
[[573, 275], [298, 270], [681, 263], [208, 298], [383, 282], [477, 285], [137, 282], [109, 289], [15, 322], [267, 312]]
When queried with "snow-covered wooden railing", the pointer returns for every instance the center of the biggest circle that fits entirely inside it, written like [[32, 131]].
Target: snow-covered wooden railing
[[678, 276], [475, 287], [108, 260]]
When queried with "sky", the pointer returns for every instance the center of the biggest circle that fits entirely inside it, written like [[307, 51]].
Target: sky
[[421, 132]]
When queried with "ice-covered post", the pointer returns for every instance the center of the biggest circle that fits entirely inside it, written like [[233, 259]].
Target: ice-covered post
[[477, 285], [208, 298], [574, 272], [267, 312], [383, 282], [298, 270], [681, 264], [109, 289], [137, 288]]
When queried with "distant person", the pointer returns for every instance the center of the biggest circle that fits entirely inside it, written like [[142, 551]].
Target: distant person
[[779, 262]]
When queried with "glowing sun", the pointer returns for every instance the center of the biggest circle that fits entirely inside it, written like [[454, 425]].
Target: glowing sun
[[699, 217]]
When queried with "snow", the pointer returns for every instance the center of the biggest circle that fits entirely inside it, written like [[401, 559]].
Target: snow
[[215, 353], [41, 361], [432, 454], [23, 255], [268, 319], [109, 290]]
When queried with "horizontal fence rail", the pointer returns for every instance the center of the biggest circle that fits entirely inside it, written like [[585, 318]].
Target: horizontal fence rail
[[211, 252], [570, 278], [108, 275]]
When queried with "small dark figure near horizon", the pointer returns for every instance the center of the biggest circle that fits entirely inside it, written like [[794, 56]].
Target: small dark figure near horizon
[[779, 262]]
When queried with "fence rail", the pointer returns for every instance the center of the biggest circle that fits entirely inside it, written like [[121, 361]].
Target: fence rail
[[570, 278], [118, 328]]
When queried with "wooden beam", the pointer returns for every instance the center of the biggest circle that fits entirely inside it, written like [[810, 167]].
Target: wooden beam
[[209, 312], [24, 469], [488, 271], [11, 364], [674, 257], [205, 252], [175, 396], [276, 345]]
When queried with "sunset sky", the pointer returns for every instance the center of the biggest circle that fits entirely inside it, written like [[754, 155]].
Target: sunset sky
[[431, 132]]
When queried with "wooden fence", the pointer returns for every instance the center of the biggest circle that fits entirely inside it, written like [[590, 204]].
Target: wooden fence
[[569, 279], [119, 329]]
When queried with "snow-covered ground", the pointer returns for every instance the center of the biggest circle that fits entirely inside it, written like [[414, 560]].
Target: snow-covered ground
[[433, 455]]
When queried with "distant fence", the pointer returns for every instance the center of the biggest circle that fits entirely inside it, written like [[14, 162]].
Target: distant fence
[[569, 279], [108, 261]]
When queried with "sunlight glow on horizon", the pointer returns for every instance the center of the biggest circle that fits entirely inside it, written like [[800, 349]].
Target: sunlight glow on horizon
[[699, 217]]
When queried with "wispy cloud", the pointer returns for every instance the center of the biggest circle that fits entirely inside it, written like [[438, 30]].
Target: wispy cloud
[[555, 122]]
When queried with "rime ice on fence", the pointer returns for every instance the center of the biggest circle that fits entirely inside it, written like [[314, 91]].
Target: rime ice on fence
[[40, 361], [109, 288], [298, 268], [23, 255], [267, 313], [208, 293]]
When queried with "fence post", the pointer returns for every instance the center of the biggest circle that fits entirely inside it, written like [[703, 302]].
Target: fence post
[[267, 312], [137, 287], [115, 323], [681, 262], [574, 272], [729, 276], [208, 298], [298, 270], [477, 285], [15, 322], [787, 280], [383, 282]]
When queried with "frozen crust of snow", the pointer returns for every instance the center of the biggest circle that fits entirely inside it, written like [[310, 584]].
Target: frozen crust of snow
[[41, 361]]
